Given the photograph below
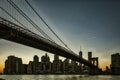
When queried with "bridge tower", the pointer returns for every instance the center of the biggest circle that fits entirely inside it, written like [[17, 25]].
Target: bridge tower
[[94, 61], [89, 56]]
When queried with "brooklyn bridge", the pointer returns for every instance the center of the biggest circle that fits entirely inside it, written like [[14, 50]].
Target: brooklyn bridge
[[19, 33]]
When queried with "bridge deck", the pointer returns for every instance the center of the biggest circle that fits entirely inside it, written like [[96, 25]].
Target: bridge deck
[[15, 33]]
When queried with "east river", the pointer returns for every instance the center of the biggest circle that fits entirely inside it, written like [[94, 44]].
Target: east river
[[59, 77]]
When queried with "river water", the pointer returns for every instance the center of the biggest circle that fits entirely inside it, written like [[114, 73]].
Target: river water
[[59, 77]]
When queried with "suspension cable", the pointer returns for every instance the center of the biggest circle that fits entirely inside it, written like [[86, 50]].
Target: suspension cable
[[13, 17], [28, 19], [47, 24]]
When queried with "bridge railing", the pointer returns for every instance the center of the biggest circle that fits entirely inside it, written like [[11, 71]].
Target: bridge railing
[[30, 33]]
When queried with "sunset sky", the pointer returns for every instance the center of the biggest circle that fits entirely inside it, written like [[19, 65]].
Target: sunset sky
[[92, 24]]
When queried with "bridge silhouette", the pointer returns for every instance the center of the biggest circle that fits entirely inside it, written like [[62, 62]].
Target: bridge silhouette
[[15, 33]]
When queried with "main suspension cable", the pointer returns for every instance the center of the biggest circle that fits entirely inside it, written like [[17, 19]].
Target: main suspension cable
[[47, 24], [28, 19], [13, 17]]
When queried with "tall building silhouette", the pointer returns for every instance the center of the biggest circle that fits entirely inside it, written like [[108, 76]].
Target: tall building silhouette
[[89, 56], [45, 64], [57, 64], [115, 63], [73, 66], [80, 65], [35, 64], [66, 66], [24, 68], [80, 53], [30, 68], [13, 65]]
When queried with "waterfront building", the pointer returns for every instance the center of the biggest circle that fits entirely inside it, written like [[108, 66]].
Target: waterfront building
[[19, 65], [66, 66], [80, 65], [13, 65], [76, 68], [24, 68], [80, 54], [115, 63], [73, 66], [57, 65], [35, 64], [30, 68], [45, 64], [40, 68]]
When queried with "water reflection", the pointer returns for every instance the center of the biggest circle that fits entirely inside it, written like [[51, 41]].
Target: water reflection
[[59, 77]]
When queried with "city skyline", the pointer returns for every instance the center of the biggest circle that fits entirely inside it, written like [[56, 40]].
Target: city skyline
[[26, 58], [94, 25], [43, 65]]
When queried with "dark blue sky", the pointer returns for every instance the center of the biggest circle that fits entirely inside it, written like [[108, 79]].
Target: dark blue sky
[[92, 24]]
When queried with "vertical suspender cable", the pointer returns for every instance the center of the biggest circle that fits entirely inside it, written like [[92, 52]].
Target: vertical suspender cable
[[13, 17], [47, 25], [29, 20]]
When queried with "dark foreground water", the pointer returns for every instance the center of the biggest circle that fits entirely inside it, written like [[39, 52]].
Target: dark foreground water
[[59, 77]]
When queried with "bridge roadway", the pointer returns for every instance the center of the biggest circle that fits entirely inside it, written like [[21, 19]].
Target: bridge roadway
[[15, 33]]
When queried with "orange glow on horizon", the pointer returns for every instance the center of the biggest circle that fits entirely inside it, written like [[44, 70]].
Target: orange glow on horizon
[[1, 69], [104, 64]]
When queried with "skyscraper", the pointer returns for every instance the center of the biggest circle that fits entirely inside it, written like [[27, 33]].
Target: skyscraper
[[89, 56], [13, 65], [24, 68], [80, 65], [73, 65], [45, 64], [66, 65], [57, 64], [30, 67], [115, 63], [80, 53], [19, 65], [35, 64]]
